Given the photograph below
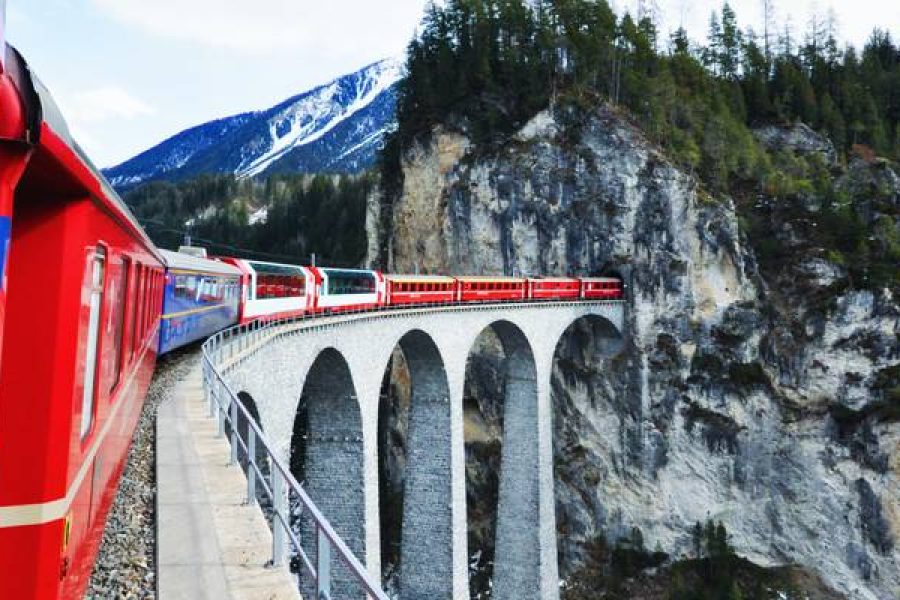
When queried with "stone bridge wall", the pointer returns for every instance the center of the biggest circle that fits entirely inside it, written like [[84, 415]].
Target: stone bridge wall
[[337, 361]]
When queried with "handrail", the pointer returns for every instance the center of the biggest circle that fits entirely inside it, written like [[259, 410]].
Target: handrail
[[225, 406], [220, 352]]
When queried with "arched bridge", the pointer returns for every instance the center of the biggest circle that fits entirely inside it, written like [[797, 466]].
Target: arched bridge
[[330, 371]]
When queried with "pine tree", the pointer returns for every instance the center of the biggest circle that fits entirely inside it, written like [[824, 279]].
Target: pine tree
[[697, 539], [729, 57], [714, 48]]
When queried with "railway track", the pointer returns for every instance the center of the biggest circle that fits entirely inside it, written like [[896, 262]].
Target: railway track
[[126, 564]]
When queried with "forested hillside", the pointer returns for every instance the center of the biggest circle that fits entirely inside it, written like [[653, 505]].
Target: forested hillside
[[489, 65], [484, 67], [282, 218]]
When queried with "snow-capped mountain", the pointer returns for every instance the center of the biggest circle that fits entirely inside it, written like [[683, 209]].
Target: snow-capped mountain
[[336, 127]]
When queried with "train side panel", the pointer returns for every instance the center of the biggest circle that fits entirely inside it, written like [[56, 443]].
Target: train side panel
[[492, 289], [195, 306], [553, 288], [418, 289], [348, 289], [601, 288], [79, 348], [274, 291]]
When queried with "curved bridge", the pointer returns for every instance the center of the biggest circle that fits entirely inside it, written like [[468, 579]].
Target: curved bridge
[[332, 368]]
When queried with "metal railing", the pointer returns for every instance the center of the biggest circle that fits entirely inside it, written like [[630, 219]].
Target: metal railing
[[223, 350], [280, 484]]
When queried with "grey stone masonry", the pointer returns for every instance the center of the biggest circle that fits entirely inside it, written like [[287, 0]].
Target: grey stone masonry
[[333, 464], [337, 364]]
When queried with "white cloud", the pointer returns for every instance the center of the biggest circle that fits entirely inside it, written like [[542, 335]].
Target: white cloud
[[262, 26], [102, 104]]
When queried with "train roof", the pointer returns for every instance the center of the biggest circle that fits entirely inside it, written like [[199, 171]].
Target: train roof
[[504, 278], [179, 261], [269, 268], [42, 111], [419, 278], [345, 270]]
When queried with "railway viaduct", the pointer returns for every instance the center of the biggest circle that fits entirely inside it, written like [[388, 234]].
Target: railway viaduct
[[336, 365]]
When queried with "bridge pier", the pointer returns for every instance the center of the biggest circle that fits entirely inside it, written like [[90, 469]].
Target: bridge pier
[[525, 545], [429, 538], [332, 448]]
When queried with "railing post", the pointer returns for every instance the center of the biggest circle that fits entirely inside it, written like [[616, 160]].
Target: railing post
[[232, 410], [251, 465], [323, 565], [220, 413], [211, 392], [278, 533]]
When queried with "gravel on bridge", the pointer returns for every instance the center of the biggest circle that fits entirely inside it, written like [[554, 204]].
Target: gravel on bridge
[[126, 564]]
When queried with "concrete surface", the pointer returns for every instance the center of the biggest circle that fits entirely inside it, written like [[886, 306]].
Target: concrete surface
[[209, 543]]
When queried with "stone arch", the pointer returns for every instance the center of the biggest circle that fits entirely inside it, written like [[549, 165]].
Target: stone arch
[[517, 544], [578, 382], [592, 334], [426, 535], [327, 458], [391, 442], [243, 431]]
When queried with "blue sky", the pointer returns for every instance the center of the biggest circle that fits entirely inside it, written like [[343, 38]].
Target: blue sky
[[129, 73]]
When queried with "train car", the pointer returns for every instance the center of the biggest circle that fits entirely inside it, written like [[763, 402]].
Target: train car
[[419, 289], [491, 288], [554, 288], [274, 290], [603, 288], [82, 291], [201, 296], [345, 289]]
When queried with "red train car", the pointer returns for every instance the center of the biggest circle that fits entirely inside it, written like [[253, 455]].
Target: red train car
[[274, 290], [419, 289], [554, 288], [339, 290], [603, 288], [79, 335], [488, 288]]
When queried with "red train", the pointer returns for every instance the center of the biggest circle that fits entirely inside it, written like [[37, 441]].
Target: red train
[[83, 292], [79, 312], [274, 290]]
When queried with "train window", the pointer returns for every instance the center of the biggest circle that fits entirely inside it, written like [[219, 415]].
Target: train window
[[132, 314], [148, 318], [145, 279], [142, 299], [350, 282], [120, 297], [182, 286], [98, 264], [136, 298]]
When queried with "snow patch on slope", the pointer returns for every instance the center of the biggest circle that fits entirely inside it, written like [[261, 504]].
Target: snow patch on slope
[[318, 113]]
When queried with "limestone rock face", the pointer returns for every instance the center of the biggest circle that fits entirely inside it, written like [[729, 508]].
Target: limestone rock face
[[799, 138], [726, 403]]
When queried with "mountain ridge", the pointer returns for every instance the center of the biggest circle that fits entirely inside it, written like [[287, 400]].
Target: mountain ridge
[[334, 127]]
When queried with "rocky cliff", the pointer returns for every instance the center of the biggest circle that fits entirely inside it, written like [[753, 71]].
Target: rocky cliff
[[762, 397]]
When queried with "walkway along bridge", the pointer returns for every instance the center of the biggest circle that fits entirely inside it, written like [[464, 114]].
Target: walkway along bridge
[[255, 376]]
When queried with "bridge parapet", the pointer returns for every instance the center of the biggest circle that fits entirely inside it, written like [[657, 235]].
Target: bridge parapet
[[336, 364]]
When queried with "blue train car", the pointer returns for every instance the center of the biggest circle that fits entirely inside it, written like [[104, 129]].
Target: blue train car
[[201, 297]]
